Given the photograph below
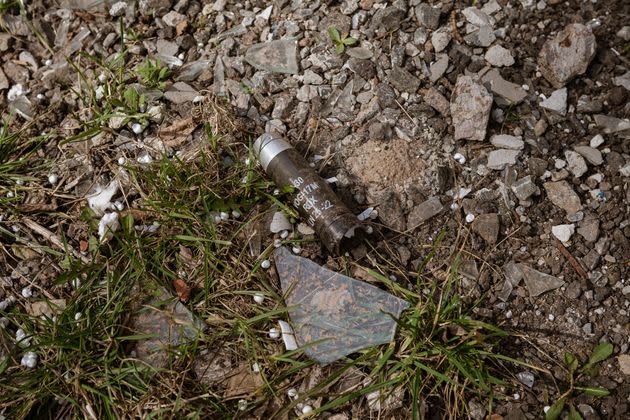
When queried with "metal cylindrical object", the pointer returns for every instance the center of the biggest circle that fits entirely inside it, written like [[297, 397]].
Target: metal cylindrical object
[[336, 226]]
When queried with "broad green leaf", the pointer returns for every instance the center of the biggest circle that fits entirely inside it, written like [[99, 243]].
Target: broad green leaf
[[574, 414], [555, 410], [600, 353], [339, 48], [349, 41], [571, 361], [334, 34], [594, 391]]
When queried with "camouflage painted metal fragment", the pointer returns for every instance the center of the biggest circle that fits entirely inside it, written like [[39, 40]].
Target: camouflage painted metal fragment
[[278, 56], [334, 315]]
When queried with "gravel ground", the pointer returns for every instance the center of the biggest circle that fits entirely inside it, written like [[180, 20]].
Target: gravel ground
[[505, 121]]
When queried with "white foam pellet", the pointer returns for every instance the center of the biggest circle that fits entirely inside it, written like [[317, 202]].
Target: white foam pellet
[[258, 298], [292, 393], [122, 160], [265, 264], [470, 217], [53, 179], [256, 367], [27, 292], [307, 409], [296, 249], [224, 216], [77, 316], [137, 128], [29, 360], [274, 333]]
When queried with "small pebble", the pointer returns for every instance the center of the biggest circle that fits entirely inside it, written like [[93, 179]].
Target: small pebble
[[284, 234], [10, 194], [19, 182], [48, 62], [274, 333], [242, 405], [551, 317], [236, 214], [454, 206], [277, 243], [52, 179], [459, 158], [292, 393], [470, 217], [256, 367], [258, 298], [265, 264]]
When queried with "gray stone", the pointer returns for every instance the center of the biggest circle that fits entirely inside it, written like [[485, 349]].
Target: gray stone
[[190, 71], [477, 17], [118, 9], [623, 80], [563, 232], [149, 7], [359, 53], [589, 229], [499, 56], [567, 55], [525, 188], [424, 211], [510, 92], [540, 127], [437, 101], [505, 141], [597, 140], [166, 47], [591, 154], [499, 159], [470, 109], [4, 82], [181, 93], [440, 39], [484, 37], [491, 7], [173, 18], [575, 163], [624, 33], [404, 81], [279, 56], [538, 283], [562, 195], [5, 41], [611, 125], [387, 19], [556, 102], [587, 105], [487, 226], [438, 68], [428, 16]]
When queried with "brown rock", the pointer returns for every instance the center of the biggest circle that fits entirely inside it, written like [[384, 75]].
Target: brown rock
[[562, 195], [487, 226]]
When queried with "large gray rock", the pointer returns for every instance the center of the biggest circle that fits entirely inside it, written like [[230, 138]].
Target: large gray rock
[[575, 163], [499, 56], [428, 16], [562, 195], [470, 109], [499, 159], [567, 55], [538, 283], [591, 154]]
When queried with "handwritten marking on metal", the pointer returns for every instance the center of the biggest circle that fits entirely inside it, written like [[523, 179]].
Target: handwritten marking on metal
[[334, 315]]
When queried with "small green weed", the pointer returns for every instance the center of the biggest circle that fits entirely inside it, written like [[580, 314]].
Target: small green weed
[[152, 74], [340, 42], [575, 373]]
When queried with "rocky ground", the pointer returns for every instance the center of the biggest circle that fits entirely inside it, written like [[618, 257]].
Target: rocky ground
[[504, 122]]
